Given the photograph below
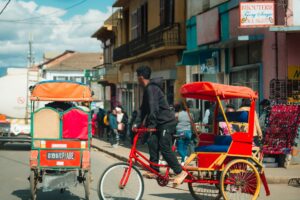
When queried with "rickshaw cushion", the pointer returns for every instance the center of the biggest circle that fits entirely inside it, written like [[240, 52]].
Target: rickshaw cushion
[[239, 116], [212, 148], [221, 144], [223, 140], [75, 124]]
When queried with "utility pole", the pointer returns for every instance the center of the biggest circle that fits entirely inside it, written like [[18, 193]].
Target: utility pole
[[30, 64]]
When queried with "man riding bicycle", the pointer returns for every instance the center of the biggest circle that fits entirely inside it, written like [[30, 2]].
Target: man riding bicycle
[[156, 113]]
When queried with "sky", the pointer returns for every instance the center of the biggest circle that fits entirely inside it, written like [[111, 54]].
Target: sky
[[53, 26]]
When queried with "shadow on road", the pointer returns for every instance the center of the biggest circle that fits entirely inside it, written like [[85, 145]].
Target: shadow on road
[[24, 194], [16, 147], [176, 196]]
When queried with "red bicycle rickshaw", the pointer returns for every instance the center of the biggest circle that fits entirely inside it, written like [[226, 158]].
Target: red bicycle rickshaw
[[222, 166]]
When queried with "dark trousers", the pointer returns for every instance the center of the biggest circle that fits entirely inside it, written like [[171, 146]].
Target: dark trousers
[[162, 141]]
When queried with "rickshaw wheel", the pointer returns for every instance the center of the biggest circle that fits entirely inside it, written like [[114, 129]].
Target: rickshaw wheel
[[33, 179], [86, 184], [240, 180]]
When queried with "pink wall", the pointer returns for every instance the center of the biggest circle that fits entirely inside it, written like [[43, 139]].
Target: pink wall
[[293, 48], [269, 53]]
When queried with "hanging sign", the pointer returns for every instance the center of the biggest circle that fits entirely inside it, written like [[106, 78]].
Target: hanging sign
[[257, 14]]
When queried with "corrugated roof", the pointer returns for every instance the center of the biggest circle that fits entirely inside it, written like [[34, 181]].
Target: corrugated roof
[[76, 61]]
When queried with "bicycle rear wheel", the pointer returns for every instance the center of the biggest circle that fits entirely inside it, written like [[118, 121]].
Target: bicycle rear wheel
[[112, 183], [240, 180]]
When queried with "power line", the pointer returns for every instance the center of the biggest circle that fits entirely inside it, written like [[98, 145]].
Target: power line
[[5, 7], [50, 23], [40, 16]]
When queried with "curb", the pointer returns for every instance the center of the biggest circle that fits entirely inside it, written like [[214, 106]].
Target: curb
[[122, 158], [277, 180], [270, 180]]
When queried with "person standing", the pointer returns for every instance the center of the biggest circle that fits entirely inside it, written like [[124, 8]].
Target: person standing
[[156, 113], [184, 131], [263, 118], [114, 128], [257, 134], [194, 111]]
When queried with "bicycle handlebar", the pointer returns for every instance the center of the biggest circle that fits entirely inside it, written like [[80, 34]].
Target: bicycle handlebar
[[144, 129]]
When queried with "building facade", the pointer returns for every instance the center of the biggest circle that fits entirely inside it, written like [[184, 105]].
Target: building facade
[[220, 50], [149, 33], [107, 73]]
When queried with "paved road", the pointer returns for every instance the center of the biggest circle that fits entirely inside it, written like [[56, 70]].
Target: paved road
[[15, 170]]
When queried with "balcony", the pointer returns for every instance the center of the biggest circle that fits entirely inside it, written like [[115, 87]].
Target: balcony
[[162, 36]]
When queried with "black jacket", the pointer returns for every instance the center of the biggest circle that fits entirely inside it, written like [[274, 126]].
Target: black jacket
[[155, 109]]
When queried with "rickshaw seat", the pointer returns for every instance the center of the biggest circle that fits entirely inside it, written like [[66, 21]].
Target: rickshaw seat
[[75, 124], [41, 126], [221, 144]]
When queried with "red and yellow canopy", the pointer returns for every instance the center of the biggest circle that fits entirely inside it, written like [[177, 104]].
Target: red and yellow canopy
[[61, 91], [209, 91]]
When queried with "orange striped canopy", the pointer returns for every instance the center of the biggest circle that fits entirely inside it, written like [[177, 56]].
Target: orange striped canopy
[[209, 91], [61, 91]]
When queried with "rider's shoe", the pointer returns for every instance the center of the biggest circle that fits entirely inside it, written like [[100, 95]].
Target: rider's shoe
[[178, 179], [149, 175]]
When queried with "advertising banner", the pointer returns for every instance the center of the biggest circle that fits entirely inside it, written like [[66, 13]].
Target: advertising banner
[[257, 14]]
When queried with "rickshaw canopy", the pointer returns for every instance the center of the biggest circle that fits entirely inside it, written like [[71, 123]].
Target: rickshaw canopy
[[61, 91], [209, 91]]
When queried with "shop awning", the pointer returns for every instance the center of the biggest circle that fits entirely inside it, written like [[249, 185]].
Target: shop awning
[[289, 29], [193, 57], [237, 41]]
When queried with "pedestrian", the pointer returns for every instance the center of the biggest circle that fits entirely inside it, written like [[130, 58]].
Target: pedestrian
[[224, 129], [122, 120], [114, 128], [194, 111], [184, 133], [257, 134], [156, 112], [100, 124], [264, 116]]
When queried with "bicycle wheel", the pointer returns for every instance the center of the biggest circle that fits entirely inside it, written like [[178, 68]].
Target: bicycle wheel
[[240, 180], [111, 184], [204, 191], [86, 184], [33, 184]]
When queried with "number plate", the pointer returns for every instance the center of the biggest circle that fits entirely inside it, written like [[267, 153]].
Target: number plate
[[60, 156]]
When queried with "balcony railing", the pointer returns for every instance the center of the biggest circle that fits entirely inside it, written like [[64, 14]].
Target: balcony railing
[[158, 37]]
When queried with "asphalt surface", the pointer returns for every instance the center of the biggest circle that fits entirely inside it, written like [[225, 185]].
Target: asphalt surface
[[15, 186]]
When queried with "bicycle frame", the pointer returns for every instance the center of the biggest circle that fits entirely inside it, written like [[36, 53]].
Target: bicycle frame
[[145, 163]]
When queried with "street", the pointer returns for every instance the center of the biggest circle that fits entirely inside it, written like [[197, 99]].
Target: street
[[15, 186]]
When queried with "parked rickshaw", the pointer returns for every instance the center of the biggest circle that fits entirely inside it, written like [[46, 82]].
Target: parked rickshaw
[[222, 166], [61, 136]]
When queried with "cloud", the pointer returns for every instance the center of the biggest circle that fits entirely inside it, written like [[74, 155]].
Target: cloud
[[50, 32]]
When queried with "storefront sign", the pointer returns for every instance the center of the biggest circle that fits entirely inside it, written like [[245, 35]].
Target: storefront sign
[[294, 72], [255, 14]]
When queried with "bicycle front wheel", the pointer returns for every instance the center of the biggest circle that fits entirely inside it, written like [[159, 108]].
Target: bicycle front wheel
[[119, 181]]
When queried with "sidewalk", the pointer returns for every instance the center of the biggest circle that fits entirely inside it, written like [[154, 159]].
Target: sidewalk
[[273, 175]]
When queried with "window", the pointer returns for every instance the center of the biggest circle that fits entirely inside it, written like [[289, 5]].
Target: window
[[77, 79], [139, 21], [60, 78], [248, 54], [166, 12], [134, 24]]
